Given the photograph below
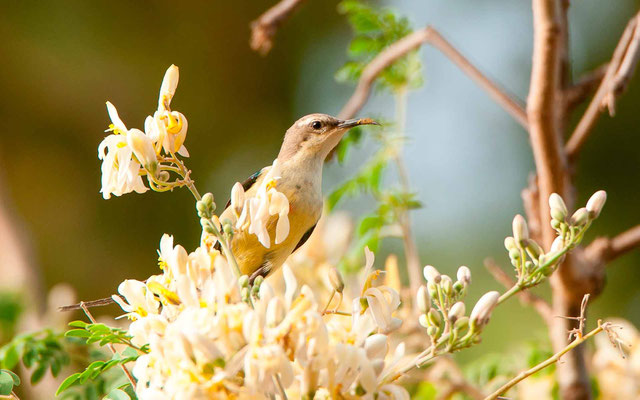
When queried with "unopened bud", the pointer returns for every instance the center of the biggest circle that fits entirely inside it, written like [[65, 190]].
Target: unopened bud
[[558, 244], [423, 320], [335, 278], [207, 199], [534, 249], [245, 293], [163, 176], [447, 285], [510, 243], [520, 230], [207, 226], [580, 217], [423, 300], [514, 254], [227, 227], [464, 275], [481, 312], [431, 274], [461, 323], [596, 202], [376, 346], [456, 311], [432, 331], [434, 317], [557, 207], [237, 197], [432, 288], [243, 281], [258, 281]]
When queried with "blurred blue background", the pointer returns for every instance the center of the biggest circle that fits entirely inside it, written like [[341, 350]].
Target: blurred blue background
[[468, 159]]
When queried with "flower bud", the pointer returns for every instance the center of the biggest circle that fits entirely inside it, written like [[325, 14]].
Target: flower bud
[[424, 321], [510, 243], [423, 300], [431, 274], [464, 275], [461, 323], [237, 197], [143, 149], [446, 284], [434, 317], [580, 217], [596, 202], [376, 346], [520, 230], [481, 312], [432, 331], [243, 281], [207, 199], [456, 311], [432, 288], [168, 87], [557, 207], [514, 254], [557, 245], [335, 278], [163, 176], [534, 249], [258, 281]]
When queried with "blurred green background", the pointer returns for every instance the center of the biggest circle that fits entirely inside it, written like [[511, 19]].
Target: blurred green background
[[468, 159]]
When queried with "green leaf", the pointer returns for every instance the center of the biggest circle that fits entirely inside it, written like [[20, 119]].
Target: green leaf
[[16, 378], [77, 333], [6, 383], [130, 352], [10, 357], [117, 394], [370, 222], [78, 324], [71, 380], [38, 374]]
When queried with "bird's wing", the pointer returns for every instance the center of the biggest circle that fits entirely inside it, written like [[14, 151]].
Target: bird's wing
[[305, 237], [246, 185]]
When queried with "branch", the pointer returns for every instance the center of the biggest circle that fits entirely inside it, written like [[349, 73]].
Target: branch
[[587, 83], [619, 71], [539, 304], [549, 361], [604, 250], [87, 304], [412, 42], [264, 28]]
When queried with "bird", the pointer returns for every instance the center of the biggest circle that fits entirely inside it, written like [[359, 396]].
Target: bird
[[305, 146]]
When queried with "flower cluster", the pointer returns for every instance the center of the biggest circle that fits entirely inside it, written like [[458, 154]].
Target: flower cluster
[[206, 341], [443, 312], [532, 264], [129, 154]]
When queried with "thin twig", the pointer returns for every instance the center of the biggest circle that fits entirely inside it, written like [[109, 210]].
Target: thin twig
[[539, 304], [264, 28], [549, 361], [87, 304], [111, 347], [411, 42], [618, 73]]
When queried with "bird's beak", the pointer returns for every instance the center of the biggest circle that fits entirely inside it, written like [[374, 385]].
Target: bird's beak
[[350, 123]]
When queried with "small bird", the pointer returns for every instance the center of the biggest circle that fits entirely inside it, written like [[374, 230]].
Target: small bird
[[306, 145]]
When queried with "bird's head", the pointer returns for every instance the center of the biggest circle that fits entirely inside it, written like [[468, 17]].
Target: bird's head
[[316, 135]]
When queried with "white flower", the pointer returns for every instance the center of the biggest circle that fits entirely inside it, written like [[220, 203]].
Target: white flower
[[140, 302]]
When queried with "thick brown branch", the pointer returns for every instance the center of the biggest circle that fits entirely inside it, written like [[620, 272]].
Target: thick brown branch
[[264, 28], [619, 71], [412, 42], [604, 250], [539, 304]]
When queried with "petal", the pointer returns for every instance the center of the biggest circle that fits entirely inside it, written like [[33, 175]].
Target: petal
[[282, 229], [115, 118]]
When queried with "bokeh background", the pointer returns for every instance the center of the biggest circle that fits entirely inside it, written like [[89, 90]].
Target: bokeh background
[[468, 159]]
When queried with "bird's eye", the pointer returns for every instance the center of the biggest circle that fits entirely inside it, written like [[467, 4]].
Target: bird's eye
[[316, 125]]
